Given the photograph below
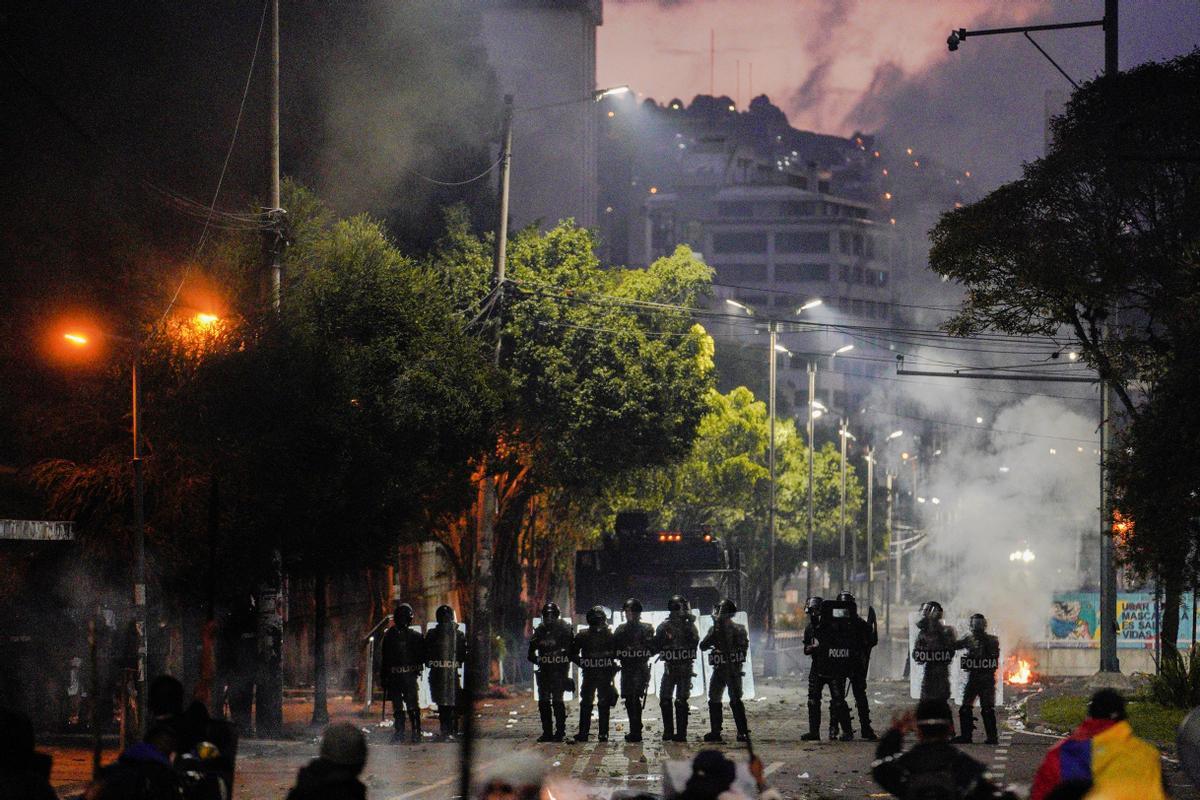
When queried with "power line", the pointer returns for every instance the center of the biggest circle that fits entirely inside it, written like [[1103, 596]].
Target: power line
[[495, 164]]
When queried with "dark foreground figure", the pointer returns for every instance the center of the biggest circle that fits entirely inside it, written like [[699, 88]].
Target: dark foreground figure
[[333, 775], [933, 769], [24, 772]]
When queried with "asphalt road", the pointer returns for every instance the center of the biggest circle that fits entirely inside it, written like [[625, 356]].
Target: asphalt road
[[266, 769]]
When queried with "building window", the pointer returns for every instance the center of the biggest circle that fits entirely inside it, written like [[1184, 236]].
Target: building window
[[881, 278], [792, 273], [739, 242], [857, 308], [796, 209], [858, 244], [870, 242], [858, 274], [802, 242], [737, 273], [844, 242], [871, 308], [735, 209]]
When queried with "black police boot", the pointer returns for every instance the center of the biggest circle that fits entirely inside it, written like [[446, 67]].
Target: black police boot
[[668, 718], [738, 708], [560, 720], [681, 720], [547, 715], [414, 718], [814, 723], [398, 727], [966, 723], [635, 721], [989, 724], [715, 718], [844, 720], [602, 732], [585, 722], [865, 732]]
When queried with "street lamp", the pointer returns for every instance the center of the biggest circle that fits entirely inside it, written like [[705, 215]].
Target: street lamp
[[845, 434]]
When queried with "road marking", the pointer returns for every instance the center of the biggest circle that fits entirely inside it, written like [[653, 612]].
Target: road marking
[[443, 782], [772, 767]]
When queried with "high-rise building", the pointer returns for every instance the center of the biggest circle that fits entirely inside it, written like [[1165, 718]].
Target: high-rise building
[[544, 54]]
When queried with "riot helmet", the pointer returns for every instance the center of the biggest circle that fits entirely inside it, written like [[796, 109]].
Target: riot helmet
[[845, 597], [931, 609], [812, 606], [596, 616], [403, 615], [725, 609], [978, 624], [444, 615], [678, 605], [633, 609], [551, 612]]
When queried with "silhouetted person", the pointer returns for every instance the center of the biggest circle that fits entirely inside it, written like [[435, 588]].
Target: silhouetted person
[[400, 670], [143, 772], [333, 774], [24, 772]]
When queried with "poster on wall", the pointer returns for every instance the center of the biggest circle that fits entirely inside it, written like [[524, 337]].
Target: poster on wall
[[1074, 620]]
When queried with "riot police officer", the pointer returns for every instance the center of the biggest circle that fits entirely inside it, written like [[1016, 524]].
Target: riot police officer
[[634, 641], [445, 652], [550, 649], [980, 662], [822, 673], [867, 636], [403, 660], [594, 652], [935, 646], [676, 640], [729, 643]]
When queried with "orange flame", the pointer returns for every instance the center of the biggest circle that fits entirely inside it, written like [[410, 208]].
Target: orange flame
[[1019, 672]]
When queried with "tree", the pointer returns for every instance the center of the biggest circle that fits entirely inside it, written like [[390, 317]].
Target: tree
[[724, 482], [600, 378], [1097, 245]]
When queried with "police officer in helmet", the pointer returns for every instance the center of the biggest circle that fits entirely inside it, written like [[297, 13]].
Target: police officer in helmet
[[594, 652], [980, 662], [729, 643], [550, 648], [445, 653], [676, 641], [866, 637], [634, 641], [934, 648], [400, 670]]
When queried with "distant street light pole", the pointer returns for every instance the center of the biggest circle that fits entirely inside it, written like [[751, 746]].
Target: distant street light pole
[[1108, 571], [844, 435]]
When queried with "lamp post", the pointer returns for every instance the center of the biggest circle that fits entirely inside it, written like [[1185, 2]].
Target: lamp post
[[871, 532], [844, 435], [1108, 571], [773, 351]]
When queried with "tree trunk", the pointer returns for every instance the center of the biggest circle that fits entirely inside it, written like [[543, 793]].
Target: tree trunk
[[268, 682], [320, 715], [1169, 632]]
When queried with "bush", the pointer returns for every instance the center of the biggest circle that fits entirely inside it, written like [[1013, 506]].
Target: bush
[[1178, 683]]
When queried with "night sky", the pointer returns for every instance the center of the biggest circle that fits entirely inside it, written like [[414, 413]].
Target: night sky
[[837, 66]]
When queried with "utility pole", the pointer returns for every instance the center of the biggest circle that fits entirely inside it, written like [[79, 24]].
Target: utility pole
[[812, 399], [481, 621], [870, 530], [887, 589], [140, 620], [1108, 570], [845, 435], [276, 202], [772, 354]]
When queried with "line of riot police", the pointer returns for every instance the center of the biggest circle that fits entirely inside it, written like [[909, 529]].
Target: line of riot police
[[600, 653], [935, 648]]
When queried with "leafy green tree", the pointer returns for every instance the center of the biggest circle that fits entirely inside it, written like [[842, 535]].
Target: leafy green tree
[[724, 482], [1097, 244]]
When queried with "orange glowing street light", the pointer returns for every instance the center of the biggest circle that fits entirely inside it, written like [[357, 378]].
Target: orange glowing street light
[[77, 339]]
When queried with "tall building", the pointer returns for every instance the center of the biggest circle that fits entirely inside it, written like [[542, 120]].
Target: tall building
[[544, 54]]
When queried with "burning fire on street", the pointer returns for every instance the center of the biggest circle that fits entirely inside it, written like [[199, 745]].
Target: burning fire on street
[[1018, 671]]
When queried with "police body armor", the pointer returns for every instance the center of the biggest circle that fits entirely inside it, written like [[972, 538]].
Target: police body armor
[[839, 635], [677, 640], [445, 652], [730, 642], [595, 653], [934, 648], [980, 662], [550, 649], [727, 644], [634, 642], [403, 656]]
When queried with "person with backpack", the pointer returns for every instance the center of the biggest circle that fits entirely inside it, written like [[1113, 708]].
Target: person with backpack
[[933, 769]]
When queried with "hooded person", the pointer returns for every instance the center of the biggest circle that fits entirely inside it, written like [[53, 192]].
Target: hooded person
[[445, 651], [676, 641], [144, 770], [634, 641], [550, 649], [400, 671], [24, 772], [516, 776], [333, 774], [593, 650], [728, 644]]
